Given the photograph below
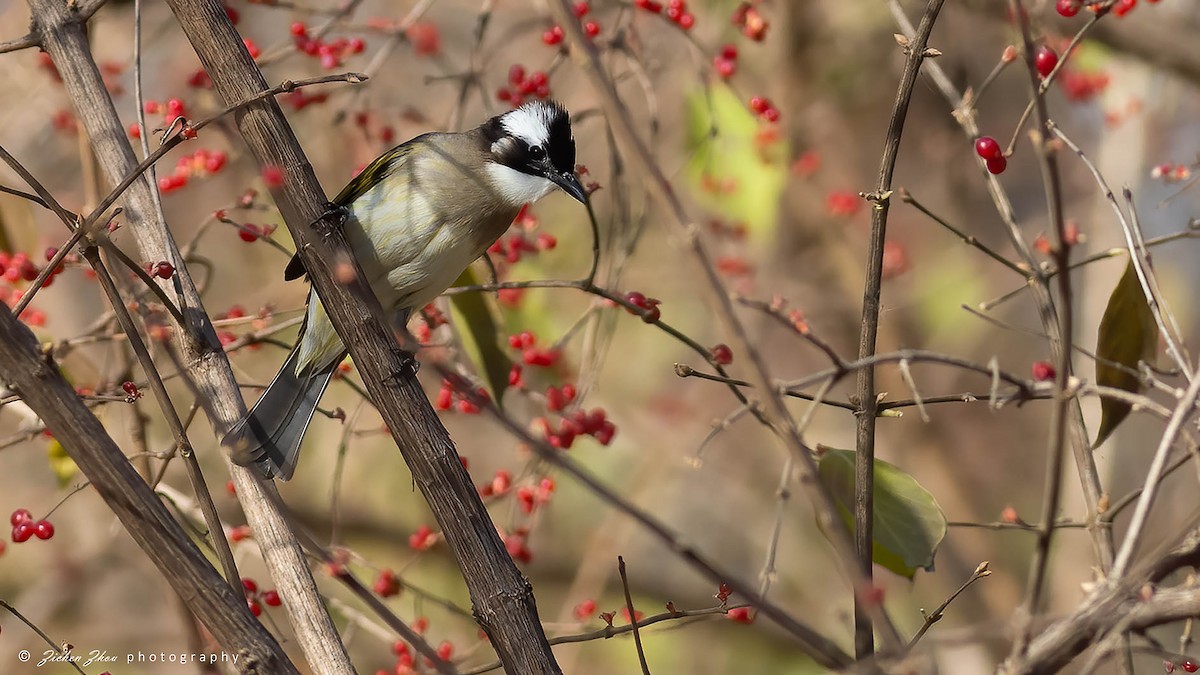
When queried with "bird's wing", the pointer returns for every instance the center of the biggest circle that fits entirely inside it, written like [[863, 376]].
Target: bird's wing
[[375, 172], [357, 187]]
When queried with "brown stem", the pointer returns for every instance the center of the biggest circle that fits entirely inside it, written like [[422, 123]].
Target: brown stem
[[503, 599], [864, 461]]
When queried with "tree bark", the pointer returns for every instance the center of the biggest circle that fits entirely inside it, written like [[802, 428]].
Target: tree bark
[[502, 598]]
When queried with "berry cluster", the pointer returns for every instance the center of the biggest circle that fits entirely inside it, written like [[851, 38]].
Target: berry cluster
[[725, 63], [1187, 665], [17, 267], [529, 497], [329, 53], [750, 21], [450, 392], [536, 84], [989, 150], [531, 354], [269, 597], [24, 527], [1171, 173], [559, 398], [1082, 86], [676, 11], [764, 109], [579, 423], [199, 164], [554, 35], [650, 312]]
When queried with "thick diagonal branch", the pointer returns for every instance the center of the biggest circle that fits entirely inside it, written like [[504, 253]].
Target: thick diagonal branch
[[62, 34], [503, 599]]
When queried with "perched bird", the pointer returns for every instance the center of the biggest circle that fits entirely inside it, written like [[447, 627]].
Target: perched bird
[[416, 217]]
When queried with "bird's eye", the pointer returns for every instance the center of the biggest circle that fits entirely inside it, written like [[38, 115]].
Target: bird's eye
[[536, 151]]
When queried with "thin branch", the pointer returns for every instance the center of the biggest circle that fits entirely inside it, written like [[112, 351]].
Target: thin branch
[[936, 615], [637, 636], [864, 457]]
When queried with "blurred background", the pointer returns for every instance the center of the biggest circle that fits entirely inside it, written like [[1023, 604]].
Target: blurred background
[[778, 204]]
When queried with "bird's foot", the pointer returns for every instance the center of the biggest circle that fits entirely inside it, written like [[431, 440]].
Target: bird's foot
[[332, 217], [409, 366]]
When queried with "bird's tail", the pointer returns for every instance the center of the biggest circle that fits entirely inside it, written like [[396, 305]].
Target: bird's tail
[[269, 435]]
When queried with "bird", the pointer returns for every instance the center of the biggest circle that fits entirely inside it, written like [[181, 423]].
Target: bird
[[415, 218]]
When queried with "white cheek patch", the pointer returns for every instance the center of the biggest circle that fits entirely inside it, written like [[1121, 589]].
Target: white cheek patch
[[515, 187]]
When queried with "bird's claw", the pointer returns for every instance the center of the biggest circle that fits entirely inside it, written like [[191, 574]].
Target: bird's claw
[[409, 366]]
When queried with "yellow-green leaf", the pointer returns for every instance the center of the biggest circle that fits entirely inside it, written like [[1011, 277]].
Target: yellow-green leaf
[[478, 330], [908, 526], [1127, 335], [61, 464], [732, 171]]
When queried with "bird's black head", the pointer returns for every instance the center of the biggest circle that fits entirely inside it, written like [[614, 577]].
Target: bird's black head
[[534, 141]]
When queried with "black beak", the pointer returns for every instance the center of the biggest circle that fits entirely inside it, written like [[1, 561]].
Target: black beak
[[569, 182]]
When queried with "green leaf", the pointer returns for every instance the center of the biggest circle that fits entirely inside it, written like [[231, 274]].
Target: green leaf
[[722, 143], [909, 524], [1128, 334], [61, 463], [479, 332]]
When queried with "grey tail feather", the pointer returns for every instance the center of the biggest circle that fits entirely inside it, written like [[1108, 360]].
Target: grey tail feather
[[269, 436]]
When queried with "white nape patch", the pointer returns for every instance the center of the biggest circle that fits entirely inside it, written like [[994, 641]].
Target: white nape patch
[[515, 187], [530, 123]]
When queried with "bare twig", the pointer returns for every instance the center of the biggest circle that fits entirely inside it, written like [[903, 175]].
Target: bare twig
[[637, 636], [864, 459]]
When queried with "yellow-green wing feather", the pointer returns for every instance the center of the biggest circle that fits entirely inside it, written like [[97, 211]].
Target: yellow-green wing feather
[[373, 174]]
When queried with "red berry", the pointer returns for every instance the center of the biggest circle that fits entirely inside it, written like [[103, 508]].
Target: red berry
[[271, 597], [1043, 371], [987, 147], [725, 68], [1067, 8], [730, 52], [722, 354], [255, 608], [272, 175], [445, 650], [299, 29], [250, 585], [516, 74], [591, 28], [686, 21], [997, 165], [1189, 665], [22, 532], [759, 105], [20, 516], [652, 315], [553, 36], [1045, 60], [1121, 8], [649, 5], [386, 584], [44, 529], [164, 270]]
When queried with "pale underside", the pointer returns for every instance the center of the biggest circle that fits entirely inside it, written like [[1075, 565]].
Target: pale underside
[[416, 231]]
